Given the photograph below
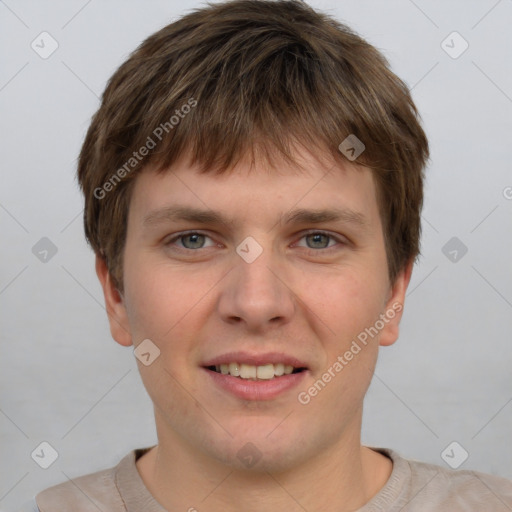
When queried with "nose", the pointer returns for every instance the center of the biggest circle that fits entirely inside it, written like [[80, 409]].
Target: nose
[[256, 294]]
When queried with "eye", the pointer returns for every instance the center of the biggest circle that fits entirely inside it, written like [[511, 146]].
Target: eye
[[189, 241], [194, 240], [320, 240]]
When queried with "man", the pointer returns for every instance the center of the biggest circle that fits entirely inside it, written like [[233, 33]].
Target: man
[[253, 185]]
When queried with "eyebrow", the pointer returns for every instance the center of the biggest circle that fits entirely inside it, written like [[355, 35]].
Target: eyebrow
[[297, 216]]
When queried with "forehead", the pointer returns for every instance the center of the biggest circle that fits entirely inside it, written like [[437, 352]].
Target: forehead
[[314, 190]]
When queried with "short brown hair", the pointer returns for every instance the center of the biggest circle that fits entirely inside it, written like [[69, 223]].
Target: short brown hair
[[233, 77]]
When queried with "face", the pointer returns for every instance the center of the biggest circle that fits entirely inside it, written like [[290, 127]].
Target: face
[[239, 280]]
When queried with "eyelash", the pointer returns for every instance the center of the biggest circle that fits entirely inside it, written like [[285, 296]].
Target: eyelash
[[309, 250]]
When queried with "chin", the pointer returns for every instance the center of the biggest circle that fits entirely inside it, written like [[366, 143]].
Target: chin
[[259, 449]]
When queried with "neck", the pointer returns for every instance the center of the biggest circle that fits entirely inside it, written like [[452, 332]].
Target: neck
[[341, 477]]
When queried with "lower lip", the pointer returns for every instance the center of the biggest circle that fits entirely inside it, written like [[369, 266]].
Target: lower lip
[[256, 389]]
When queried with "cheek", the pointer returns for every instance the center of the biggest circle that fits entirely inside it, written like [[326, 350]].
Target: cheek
[[163, 299], [149, 305], [151, 298], [351, 303], [162, 304], [347, 302]]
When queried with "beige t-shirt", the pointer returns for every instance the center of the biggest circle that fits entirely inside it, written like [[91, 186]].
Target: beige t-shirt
[[412, 487]]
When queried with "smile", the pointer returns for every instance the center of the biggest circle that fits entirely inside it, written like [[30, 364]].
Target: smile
[[252, 372]]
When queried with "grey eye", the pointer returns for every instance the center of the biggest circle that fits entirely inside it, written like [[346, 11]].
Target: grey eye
[[196, 240]]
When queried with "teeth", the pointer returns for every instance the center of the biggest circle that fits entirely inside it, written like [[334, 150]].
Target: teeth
[[265, 372], [288, 368], [234, 369], [248, 371]]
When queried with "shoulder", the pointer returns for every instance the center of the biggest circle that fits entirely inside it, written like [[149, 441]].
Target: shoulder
[[477, 488], [431, 487], [87, 493]]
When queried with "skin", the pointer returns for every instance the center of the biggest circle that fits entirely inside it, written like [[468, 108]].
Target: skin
[[302, 296]]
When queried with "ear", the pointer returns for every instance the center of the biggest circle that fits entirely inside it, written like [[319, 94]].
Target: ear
[[395, 305], [114, 303]]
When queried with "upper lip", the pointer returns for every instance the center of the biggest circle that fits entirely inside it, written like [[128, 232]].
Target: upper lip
[[255, 359]]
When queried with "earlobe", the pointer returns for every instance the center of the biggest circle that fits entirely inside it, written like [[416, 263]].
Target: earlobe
[[395, 305], [114, 304]]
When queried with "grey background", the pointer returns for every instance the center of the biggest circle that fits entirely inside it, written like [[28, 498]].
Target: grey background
[[64, 381]]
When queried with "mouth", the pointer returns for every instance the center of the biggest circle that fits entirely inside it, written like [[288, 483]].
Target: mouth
[[268, 371], [256, 377]]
